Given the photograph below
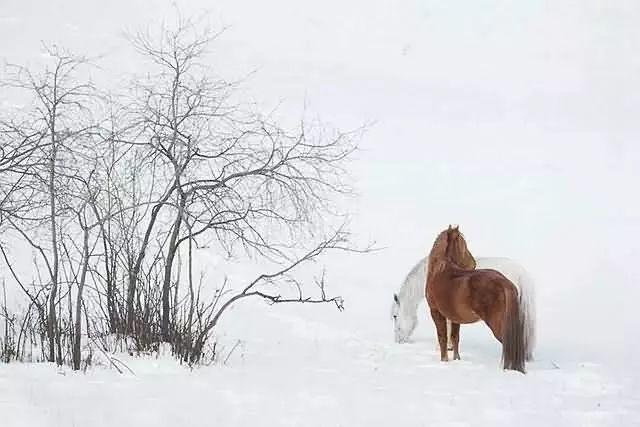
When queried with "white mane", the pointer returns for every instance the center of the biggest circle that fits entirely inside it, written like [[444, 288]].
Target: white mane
[[412, 291]]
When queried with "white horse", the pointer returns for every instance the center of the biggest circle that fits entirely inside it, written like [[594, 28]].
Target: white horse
[[412, 293]]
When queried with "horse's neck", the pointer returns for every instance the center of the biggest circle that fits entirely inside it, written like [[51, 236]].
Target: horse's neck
[[444, 266], [412, 290], [452, 267]]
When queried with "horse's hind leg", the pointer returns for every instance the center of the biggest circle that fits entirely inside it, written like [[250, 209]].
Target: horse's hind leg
[[441, 327], [496, 324], [492, 314], [449, 341], [455, 339]]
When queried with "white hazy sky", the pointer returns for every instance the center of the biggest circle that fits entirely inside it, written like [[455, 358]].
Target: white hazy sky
[[517, 120]]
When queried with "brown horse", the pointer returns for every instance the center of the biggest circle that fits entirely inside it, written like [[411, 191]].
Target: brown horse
[[458, 292]]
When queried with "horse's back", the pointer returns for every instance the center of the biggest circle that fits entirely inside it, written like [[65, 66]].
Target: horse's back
[[488, 291]]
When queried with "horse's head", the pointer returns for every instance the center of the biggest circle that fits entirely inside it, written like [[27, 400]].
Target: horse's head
[[404, 321], [451, 246]]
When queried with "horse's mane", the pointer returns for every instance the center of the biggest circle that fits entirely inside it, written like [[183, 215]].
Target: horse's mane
[[440, 257]]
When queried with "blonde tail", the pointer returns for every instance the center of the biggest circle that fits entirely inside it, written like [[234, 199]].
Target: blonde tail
[[527, 302]]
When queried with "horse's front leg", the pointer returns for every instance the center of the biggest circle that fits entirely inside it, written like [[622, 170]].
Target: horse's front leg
[[441, 327], [455, 339]]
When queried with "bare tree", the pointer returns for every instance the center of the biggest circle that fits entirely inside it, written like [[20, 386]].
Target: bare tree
[[59, 118], [113, 192], [235, 175]]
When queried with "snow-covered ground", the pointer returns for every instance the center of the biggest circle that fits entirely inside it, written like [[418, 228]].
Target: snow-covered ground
[[323, 368], [519, 121]]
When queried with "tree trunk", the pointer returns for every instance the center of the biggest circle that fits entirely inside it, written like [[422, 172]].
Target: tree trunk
[[191, 299], [166, 285], [135, 271], [77, 337], [52, 323]]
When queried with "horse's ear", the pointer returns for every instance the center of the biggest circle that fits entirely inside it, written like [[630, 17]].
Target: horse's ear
[[395, 298], [449, 229], [456, 228]]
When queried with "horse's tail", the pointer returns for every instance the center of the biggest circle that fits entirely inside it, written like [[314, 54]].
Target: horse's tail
[[528, 312], [513, 340]]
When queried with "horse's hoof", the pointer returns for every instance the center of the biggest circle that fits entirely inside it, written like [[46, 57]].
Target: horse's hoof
[[456, 357]]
